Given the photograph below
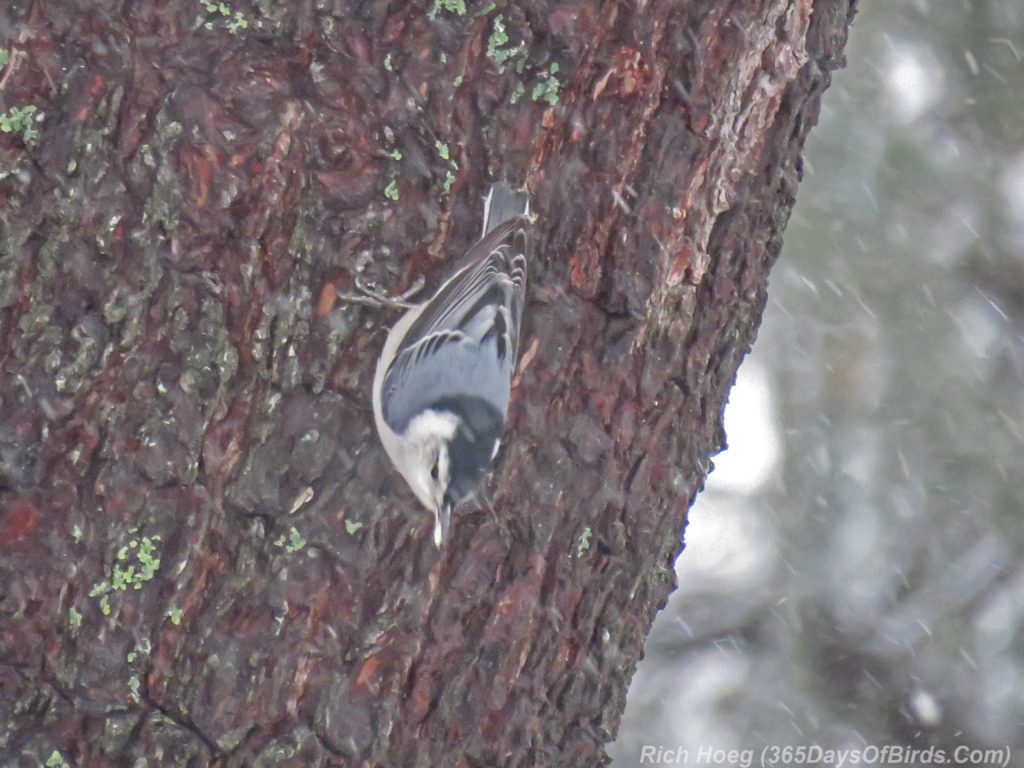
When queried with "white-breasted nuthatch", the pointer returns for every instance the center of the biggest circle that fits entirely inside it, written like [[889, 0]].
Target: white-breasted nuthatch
[[443, 379]]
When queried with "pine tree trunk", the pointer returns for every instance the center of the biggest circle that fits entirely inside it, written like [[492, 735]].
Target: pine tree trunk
[[205, 556]]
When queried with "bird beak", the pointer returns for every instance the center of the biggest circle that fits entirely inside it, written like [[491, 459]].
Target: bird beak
[[441, 518]]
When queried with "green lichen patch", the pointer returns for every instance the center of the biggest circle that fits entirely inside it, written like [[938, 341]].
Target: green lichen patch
[[583, 543], [353, 527], [293, 543], [456, 7], [391, 190], [134, 684], [500, 52], [141, 651], [234, 21], [237, 23], [547, 88], [498, 38], [135, 564], [21, 120], [445, 154]]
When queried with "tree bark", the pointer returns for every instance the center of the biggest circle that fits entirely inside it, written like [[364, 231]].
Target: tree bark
[[205, 556]]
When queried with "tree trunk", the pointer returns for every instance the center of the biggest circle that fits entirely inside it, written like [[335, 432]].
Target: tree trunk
[[205, 556]]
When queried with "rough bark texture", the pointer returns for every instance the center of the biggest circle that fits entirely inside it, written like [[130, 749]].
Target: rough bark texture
[[205, 557]]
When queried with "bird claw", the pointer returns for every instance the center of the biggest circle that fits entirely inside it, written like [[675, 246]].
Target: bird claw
[[504, 525], [375, 298]]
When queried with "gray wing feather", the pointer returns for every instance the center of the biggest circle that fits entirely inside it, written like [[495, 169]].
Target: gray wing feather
[[466, 337]]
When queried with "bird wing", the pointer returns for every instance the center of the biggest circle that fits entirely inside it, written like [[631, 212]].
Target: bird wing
[[481, 303], [494, 276]]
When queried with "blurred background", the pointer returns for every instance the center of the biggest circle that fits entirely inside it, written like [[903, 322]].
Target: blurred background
[[853, 573]]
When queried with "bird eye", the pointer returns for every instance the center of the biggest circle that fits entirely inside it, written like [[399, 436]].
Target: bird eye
[[433, 470]]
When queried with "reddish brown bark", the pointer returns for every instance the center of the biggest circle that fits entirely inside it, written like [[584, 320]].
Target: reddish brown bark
[[205, 557]]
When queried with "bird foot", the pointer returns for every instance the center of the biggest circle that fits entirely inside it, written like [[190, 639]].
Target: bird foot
[[375, 298]]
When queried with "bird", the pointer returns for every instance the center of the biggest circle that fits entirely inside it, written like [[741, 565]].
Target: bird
[[444, 376]]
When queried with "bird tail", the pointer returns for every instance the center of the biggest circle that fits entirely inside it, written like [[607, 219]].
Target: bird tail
[[504, 203]]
